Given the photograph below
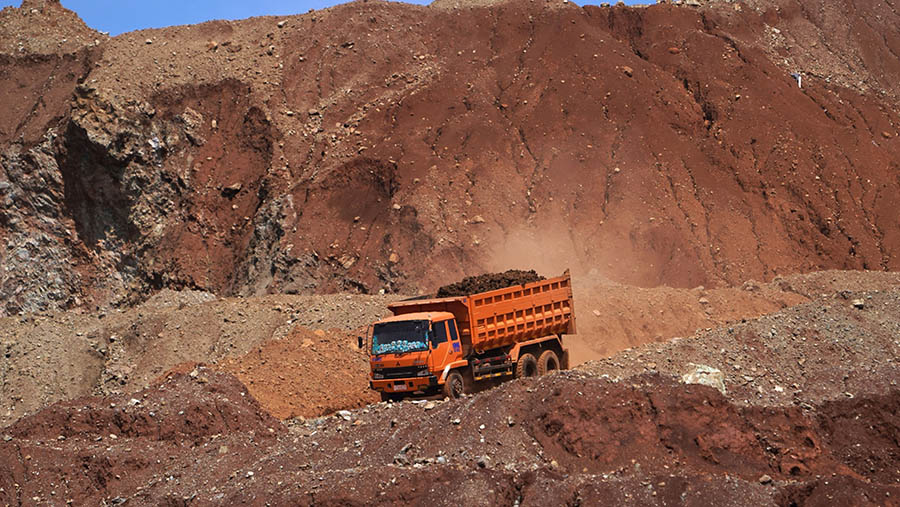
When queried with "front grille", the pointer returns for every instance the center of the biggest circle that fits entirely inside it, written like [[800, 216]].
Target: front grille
[[402, 372]]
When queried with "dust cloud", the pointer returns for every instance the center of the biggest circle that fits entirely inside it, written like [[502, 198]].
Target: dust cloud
[[611, 316], [550, 251]]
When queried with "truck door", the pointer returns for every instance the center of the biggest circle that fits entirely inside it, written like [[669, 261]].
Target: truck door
[[444, 350], [455, 345]]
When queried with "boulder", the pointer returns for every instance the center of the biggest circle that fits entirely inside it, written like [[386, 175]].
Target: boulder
[[705, 375]]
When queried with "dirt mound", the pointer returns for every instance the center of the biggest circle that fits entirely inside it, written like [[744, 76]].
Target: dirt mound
[[44, 27], [113, 351], [488, 282], [660, 424], [91, 449], [306, 373], [570, 436], [184, 407], [613, 317], [830, 348], [863, 433]]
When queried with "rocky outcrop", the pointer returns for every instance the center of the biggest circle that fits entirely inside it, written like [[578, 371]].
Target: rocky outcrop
[[38, 244]]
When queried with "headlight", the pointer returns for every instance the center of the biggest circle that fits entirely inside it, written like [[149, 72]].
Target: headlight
[[423, 373], [377, 375]]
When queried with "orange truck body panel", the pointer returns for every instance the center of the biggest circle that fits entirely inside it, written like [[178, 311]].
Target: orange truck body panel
[[504, 317]]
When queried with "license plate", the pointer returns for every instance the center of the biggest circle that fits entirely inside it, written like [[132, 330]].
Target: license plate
[[399, 387]]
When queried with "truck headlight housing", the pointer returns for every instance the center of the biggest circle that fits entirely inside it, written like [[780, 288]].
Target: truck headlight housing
[[423, 372], [377, 375]]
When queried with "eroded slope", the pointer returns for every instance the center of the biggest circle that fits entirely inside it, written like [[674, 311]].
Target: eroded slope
[[387, 146]]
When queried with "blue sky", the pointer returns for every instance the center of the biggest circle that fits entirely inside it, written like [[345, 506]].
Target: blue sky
[[117, 16]]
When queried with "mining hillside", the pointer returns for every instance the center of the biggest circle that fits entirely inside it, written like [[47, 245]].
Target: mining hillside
[[196, 223], [384, 146]]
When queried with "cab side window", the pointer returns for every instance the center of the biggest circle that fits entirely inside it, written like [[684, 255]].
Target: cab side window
[[452, 325], [438, 333]]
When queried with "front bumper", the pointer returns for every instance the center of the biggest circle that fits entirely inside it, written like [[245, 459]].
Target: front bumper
[[404, 385]]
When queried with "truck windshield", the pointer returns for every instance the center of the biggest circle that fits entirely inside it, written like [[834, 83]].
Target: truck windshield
[[399, 337]]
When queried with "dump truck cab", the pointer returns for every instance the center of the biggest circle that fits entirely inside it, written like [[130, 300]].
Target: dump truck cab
[[409, 353]]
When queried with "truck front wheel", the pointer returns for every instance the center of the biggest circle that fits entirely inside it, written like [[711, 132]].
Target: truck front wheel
[[455, 386], [527, 366], [548, 362]]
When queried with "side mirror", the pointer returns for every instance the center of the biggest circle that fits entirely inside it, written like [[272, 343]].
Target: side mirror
[[359, 341]]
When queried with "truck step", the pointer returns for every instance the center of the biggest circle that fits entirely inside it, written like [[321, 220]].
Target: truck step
[[493, 375], [487, 370]]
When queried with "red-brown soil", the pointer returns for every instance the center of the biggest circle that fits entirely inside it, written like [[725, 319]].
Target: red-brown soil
[[612, 317], [619, 428], [569, 437], [123, 351], [64, 355], [170, 201], [836, 346], [43, 27], [305, 374], [383, 146]]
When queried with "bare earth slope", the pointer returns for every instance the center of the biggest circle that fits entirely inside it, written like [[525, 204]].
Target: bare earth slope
[[528, 443], [388, 146]]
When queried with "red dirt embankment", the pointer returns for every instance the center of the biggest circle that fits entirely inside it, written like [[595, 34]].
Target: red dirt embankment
[[650, 440], [389, 146], [64, 355]]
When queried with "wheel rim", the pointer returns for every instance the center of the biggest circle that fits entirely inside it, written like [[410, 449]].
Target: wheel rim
[[530, 369]]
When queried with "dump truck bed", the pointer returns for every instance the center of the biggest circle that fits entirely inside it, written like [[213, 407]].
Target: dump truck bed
[[504, 317]]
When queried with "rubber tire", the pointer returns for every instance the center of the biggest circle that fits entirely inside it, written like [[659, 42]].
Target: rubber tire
[[527, 366], [548, 362], [454, 386]]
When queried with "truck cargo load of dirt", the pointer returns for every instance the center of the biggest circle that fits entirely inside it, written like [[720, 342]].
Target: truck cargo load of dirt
[[488, 281]]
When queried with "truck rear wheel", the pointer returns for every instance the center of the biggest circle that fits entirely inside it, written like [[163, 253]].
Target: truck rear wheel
[[548, 362], [527, 366], [455, 386]]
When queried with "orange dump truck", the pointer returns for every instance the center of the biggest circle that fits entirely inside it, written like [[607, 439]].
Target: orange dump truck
[[448, 344]]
